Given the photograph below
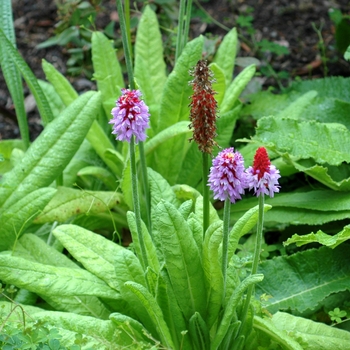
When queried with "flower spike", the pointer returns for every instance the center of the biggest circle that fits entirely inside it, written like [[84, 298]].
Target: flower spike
[[203, 107], [227, 178], [263, 176], [130, 117]]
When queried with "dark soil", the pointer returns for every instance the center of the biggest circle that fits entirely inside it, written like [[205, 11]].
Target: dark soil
[[289, 23]]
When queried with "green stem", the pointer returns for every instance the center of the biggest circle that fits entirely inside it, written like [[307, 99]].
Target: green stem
[[127, 23], [127, 48], [136, 202], [205, 163], [256, 258], [145, 186], [225, 233], [183, 26]]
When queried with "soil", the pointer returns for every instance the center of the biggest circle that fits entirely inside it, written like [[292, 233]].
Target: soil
[[289, 23]]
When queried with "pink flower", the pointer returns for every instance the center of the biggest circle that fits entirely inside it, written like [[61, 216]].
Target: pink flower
[[227, 178], [263, 176], [130, 117]]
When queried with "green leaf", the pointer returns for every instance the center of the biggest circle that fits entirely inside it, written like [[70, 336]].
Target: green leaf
[[107, 71], [316, 335], [323, 174], [151, 251], [231, 307], [301, 140], [96, 253], [171, 311], [219, 85], [182, 260], [312, 276], [174, 108], [236, 87], [226, 54], [164, 135], [69, 202], [320, 237], [51, 280], [42, 104], [147, 309], [51, 151], [104, 333], [274, 332], [61, 84], [6, 149], [132, 330], [149, 62], [15, 218], [211, 258], [199, 332], [10, 71], [101, 174]]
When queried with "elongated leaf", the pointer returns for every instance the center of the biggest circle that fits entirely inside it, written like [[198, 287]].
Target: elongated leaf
[[42, 104], [45, 254], [6, 149], [242, 227], [236, 88], [107, 71], [230, 309], [14, 219], [10, 71], [219, 85], [171, 312], [212, 269], [149, 61], [299, 282], [199, 332], [51, 280], [321, 237], [134, 330], [226, 54], [324, 175], [191, 171], [325, 143], [69, 202], [317, 336], [164, 135], [153, 256], [96, 253], [149, 312], [62, 86], [285, 340], [182, 260], [51, 151], [174, 108], [103, 332]]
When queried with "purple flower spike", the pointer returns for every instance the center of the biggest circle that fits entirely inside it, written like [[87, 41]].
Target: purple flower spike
[[130, 117], [227, 178], [263, 176]]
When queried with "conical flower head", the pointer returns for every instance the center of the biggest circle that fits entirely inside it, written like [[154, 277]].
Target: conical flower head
[[263, 176], [130, 117], [203, 107], [227, 178]]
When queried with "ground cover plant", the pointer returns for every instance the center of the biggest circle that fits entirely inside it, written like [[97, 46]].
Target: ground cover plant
[[196, 276]]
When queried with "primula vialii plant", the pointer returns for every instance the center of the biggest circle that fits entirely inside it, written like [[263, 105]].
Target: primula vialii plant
[[189, 280]]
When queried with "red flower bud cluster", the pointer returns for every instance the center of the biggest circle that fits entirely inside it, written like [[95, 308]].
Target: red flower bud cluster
[[203, 107]]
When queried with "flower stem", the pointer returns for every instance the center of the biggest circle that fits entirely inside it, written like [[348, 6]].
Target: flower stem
[[126, 44], [225, 233], [125, 30], [183, 26], [205, 163], [136, 203], [145, 186], [256, 258]]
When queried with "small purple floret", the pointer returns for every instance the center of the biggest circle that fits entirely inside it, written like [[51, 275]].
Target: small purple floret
[[130, 117], [227, 178]]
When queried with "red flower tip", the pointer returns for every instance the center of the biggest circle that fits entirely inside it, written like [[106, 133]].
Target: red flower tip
[[261, 163]]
